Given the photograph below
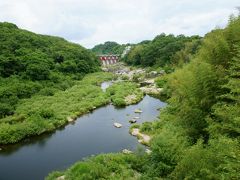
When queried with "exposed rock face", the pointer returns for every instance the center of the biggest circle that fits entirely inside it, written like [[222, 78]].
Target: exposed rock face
[[117, 125]]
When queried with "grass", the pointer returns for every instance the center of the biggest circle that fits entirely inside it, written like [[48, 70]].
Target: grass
[[104, 166], [125, 93], [41, 114]]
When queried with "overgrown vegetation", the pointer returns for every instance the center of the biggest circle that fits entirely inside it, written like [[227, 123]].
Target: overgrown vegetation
[[111, 166], [164, 51], [198, 134], [125, 93], [41, 113], [38, 64]]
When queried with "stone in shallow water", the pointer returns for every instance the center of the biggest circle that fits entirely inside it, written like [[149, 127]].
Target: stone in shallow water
[[138, 111], [117, 125], [133, 121]]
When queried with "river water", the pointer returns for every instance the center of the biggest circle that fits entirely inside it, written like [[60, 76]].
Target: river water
[[91, 134]]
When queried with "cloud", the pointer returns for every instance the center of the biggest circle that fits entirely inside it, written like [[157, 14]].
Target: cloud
[[90, 22]]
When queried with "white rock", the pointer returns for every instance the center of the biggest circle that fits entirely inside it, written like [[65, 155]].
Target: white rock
[[70, 119], [136, 117], [148, 151], [126, 151], [143, 137], [138, 111], [117, 125]]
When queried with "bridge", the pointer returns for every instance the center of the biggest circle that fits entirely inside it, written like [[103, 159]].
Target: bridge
[[109, 59]]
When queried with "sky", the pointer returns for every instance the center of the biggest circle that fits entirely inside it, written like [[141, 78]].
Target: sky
[[90, 22]]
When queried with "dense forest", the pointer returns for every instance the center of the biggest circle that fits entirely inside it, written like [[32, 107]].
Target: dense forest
[[197, 135], [163, 50], [32, 63], [32, 66], [108, 48]]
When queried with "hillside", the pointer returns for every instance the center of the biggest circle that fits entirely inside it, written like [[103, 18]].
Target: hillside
[[38, 64], [23, 49], [163, 50]]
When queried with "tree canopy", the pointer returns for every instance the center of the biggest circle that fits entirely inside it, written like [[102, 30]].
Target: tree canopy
[[108, 48], [161, 50], [31, 63]]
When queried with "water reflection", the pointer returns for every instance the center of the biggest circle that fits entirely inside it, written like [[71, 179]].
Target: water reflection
[[91, 134]]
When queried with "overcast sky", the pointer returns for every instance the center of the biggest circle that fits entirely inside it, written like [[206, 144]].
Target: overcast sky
[[90, 22]]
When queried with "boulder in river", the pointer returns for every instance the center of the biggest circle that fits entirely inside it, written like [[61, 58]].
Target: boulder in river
[[133, 121], [138, 111], [117, 125]]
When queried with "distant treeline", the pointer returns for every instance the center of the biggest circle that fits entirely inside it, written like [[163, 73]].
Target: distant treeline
[[163, 50], [109, 48]]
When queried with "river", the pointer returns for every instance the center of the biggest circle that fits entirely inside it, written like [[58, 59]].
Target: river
[[91, 134]]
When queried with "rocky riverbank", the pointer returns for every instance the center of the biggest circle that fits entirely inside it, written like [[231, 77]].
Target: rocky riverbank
[[145, 80], [142, 138]]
